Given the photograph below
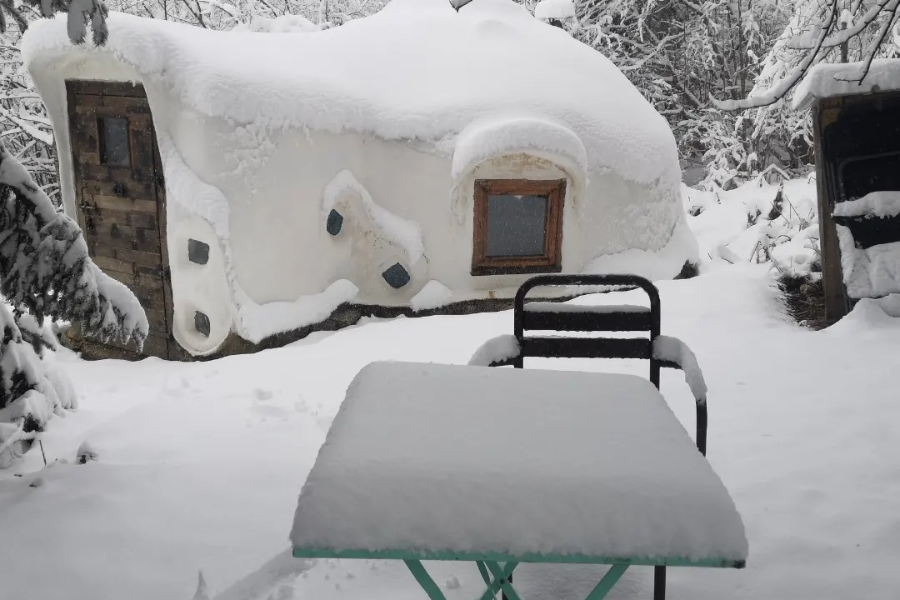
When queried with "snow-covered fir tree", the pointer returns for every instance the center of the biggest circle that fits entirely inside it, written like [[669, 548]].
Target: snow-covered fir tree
[[46, 274]]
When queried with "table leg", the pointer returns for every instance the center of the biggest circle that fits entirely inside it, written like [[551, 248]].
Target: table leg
[[608, 582], [504, 577], [425, 580], [659, 583]]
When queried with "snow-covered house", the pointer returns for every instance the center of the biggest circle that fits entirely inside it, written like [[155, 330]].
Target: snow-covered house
[[247, 184], [856, 117]]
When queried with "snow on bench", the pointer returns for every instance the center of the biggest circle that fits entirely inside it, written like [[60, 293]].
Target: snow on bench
[[868, 272], [430, 459], [875, 204]]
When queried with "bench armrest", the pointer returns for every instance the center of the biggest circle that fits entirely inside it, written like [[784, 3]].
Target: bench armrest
[[672, 353]]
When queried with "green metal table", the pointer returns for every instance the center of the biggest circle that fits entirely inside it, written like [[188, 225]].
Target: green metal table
[[503, 467]]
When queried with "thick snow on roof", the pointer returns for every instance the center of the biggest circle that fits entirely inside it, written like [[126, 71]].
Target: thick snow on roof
[[828, 80], [416, 70]]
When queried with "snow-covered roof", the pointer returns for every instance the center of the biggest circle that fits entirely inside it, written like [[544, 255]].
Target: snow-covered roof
[[417, 70], [828, 80]]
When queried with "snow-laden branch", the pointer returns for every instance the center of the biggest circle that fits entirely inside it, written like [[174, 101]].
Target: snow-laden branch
[[45, 266], [783, 86], [843, 36], [28, 128]]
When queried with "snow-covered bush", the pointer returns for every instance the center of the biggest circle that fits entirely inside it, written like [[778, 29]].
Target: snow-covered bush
[[770, 220], [760, 222], [32, 388], [46, 273]]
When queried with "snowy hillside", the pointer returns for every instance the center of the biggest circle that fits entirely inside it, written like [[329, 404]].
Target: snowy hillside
[[198, 466]]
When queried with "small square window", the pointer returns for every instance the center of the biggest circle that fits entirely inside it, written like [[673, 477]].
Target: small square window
[[518, 226], [114, 149]]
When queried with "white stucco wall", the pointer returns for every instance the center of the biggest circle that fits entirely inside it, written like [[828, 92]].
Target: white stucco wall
[[275, 192]]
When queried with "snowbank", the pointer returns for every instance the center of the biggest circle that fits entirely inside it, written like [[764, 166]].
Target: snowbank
[[279, 24], [433, 294], [656, 265], [490, 59]]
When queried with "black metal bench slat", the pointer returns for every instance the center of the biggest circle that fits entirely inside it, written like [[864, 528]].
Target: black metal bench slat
[[553, 347], [586, 321]]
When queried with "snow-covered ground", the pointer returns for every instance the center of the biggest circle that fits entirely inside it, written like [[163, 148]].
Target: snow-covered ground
[[199, 465]]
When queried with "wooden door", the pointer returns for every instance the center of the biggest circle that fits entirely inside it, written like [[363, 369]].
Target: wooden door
[[120, 197]]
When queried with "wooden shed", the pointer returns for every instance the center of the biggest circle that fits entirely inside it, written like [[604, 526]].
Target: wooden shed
[[857, 145]]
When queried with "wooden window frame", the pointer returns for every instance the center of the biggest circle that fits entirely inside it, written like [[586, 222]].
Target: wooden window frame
[[551, 260]]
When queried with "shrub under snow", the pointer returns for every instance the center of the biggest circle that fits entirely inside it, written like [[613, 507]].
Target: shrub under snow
[[46, 273]]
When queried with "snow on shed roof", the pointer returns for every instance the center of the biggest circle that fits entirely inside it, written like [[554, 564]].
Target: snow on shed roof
[[828, 80], [416, 70]]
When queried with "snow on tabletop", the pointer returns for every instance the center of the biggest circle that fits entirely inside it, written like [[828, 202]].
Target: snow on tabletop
[[513, 461], [559, 307], [875, 204], [478, 63], [827, 80], [674, 350], [869, 272], [496, 350], [555, 9]]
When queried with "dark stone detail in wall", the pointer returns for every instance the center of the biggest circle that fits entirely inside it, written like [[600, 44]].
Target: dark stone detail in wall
[[334, 223], [201, 323], [396, 276], [198, 252]]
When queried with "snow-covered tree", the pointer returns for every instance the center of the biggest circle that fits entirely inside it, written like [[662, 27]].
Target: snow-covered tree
[[47, 273], [685, 54], [823, 31]]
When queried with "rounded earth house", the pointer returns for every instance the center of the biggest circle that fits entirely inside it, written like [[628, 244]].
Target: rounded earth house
[[248, 184]]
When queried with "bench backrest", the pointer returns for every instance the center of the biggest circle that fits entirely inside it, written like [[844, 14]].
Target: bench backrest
[[608, 319]]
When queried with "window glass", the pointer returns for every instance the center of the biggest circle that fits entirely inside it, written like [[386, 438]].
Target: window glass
[[114, 142], [516, 225]]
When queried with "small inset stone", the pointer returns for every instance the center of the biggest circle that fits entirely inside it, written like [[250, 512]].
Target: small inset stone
[[396, 276], [201, 323], [198, 252], [334, 223]]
